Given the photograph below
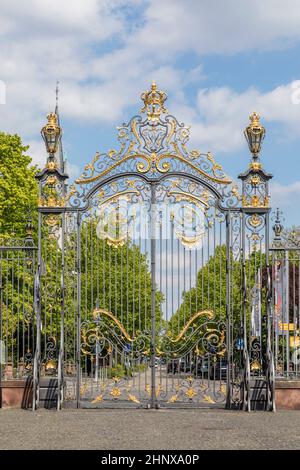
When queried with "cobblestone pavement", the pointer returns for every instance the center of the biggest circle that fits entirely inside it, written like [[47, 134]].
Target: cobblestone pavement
[[149, 429]]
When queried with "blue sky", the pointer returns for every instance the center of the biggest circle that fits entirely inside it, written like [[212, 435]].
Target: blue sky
[[218, 61]]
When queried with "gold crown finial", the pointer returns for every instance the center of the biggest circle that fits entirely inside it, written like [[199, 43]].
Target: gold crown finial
[[254, 118], [154, 103], [52, 119]]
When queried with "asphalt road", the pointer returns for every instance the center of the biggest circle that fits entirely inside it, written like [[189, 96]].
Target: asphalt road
[[149, 429]]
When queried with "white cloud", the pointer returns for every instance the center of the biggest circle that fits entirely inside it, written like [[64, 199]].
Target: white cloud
[[220, 115], [284, 196], [38, 154], [224, 26], [104, 55]]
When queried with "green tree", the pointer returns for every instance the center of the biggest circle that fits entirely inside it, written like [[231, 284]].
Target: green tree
[[210, 290], [18, 187]]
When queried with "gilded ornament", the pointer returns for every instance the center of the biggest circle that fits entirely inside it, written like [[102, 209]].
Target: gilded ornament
[[191, 393], [51, 201], [98, 399], [115, 392], [255, 166], [52, 165], [208, 399], [235, 191], [52, 220], [83, 389], [133, 398], [173, 399], [255, 221], [255, 201], [154, 103], [255, 366], [255, 180], [100, 311], [208, 313], [51, 180]]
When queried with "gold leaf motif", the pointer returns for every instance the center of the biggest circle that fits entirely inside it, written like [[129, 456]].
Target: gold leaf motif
[[208, 313], [100, 311], [173, 399], [83, 389], [52, 166], [133, 398], [208, 399], [255, 166], [98, 399], [157, 391], [52, 220], [194, 154], [235, 191], [191, 393], [115, 392], [255, 221], [51, 180]]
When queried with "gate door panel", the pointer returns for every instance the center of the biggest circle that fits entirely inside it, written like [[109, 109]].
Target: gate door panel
[[115, 322], [191, 352]]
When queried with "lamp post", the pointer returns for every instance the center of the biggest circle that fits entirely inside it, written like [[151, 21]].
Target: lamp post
[[255, 134], [51, 134], [1, 344]]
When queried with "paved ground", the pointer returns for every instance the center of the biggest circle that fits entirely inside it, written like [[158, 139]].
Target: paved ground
[[149, 429]]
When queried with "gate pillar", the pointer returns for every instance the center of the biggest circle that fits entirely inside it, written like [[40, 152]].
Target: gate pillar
[[255, 269], [50, 276]]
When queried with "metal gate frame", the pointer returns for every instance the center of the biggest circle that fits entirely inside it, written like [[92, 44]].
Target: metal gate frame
[[153, 148]]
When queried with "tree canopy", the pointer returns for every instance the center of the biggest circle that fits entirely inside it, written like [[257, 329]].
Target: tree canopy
[[18, 187]]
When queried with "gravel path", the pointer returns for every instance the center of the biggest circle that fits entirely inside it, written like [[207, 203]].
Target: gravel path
[[149, 429]]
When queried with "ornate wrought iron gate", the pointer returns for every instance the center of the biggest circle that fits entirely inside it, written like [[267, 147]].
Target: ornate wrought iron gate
[[152, 285]]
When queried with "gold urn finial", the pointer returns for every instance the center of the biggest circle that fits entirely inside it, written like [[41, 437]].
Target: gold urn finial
[[154, 103]]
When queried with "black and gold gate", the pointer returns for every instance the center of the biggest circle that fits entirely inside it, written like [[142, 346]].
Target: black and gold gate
[[144, 271]]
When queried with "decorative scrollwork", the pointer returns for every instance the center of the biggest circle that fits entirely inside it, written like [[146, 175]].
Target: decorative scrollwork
[[151, 146], [202, 337], [105, 333]]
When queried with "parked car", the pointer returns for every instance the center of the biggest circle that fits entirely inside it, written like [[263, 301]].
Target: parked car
[[218, 371], [201, 369], [183, 365], [173, 366]]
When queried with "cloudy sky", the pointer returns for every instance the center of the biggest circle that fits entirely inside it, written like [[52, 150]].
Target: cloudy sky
[[217, 60]]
